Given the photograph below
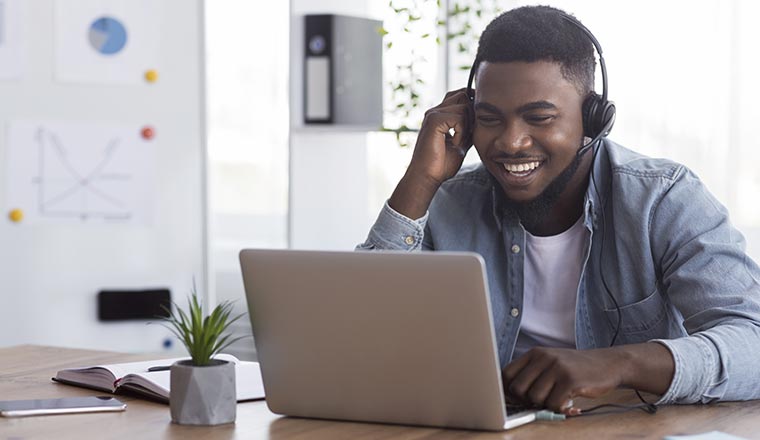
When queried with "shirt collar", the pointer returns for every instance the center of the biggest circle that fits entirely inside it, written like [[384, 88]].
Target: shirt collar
[[598, 186]]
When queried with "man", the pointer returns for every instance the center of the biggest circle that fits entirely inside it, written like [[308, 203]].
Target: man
[[607, 269]]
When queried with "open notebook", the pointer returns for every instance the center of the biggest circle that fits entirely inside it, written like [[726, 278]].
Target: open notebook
[[135, 377]]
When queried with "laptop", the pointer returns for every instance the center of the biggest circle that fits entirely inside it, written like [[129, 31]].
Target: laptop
[[388, 337]]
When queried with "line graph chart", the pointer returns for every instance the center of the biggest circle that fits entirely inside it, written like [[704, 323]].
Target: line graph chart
[[69, 172], [64, 190]]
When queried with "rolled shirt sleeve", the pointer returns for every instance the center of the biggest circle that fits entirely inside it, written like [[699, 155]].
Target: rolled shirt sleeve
[[394, 231], [714, 285]]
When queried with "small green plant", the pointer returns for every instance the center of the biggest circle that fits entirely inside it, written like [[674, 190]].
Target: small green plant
[[202, 336]]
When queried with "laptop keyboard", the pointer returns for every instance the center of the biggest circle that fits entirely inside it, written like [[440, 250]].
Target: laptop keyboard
[[512, 408]]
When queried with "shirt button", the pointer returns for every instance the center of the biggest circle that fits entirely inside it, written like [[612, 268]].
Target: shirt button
[[514, 312], [515, 249], [409, 240]]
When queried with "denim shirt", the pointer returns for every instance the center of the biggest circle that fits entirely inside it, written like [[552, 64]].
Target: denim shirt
[[675, 265]]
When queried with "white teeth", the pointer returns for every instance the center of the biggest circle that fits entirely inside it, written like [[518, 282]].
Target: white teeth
[[520, 168]]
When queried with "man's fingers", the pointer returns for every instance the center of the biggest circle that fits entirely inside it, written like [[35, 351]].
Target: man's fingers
[[454, 92], [452, 124], [514, 367], [457, 133], [462, 135], [552, 377], [568, 388], [560, 399], [458, 96], [541, 388], [524, 381]]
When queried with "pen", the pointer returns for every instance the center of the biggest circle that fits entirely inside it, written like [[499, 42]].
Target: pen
[[159, 368]]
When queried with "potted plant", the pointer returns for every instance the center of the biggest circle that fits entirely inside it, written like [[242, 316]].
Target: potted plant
[[202, 390]]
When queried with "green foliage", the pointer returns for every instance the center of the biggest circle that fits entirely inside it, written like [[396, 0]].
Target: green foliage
[[458, 24], [202, 336]]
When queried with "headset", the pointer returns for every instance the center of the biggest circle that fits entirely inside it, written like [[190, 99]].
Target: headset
[[598, 112]]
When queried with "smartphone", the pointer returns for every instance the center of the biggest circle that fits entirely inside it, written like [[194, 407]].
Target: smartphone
[[65, 405]]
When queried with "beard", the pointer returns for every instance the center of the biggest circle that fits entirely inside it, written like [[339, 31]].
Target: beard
[[533, 212]]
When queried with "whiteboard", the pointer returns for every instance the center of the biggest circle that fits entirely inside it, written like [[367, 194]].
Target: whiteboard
[[106, 204]]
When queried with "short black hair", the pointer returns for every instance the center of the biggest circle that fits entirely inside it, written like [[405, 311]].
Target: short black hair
[[540, 33]]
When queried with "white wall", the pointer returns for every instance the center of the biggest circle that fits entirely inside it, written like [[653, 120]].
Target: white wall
[[248, 129], [50, 274], [328, 175], [329, 190]]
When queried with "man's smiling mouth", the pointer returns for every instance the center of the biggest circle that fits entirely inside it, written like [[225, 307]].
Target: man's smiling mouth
[[521, 169]]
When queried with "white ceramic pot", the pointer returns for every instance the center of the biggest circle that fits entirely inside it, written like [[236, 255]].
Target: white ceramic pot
[[203, 395]]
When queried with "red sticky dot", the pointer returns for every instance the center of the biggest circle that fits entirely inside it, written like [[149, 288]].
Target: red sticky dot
[[148, 133]]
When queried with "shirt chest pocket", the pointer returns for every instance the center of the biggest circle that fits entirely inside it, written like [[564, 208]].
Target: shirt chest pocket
[[641, 321]]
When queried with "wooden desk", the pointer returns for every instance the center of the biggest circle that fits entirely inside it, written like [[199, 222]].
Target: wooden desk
[[25, 373]]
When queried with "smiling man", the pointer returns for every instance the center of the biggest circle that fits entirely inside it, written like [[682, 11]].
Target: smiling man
[[607, 268]]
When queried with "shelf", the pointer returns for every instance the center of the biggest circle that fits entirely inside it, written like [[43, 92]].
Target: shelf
[[334, 128]]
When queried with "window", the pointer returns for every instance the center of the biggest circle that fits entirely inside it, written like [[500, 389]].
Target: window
[[684, 90], [247, 119]]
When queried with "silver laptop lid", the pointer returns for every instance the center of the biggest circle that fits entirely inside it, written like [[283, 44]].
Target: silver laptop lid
[[390, 337]]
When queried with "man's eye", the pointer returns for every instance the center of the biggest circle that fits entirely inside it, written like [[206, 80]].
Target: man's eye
[[539, 119], [488, 120]]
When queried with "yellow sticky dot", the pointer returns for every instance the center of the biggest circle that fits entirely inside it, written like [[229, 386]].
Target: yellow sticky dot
[[16, 215], [151, 76]]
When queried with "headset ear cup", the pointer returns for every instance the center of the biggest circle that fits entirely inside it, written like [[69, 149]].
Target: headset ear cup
[[598, 116], [590, 110], [608, 117]]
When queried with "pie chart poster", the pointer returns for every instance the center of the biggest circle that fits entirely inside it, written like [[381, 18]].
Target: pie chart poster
[[107, 42]]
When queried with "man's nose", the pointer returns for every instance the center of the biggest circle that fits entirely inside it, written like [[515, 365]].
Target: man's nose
[[515, 138]]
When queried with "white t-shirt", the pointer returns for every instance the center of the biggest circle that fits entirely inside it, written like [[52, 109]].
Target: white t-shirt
[[552, 274]]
